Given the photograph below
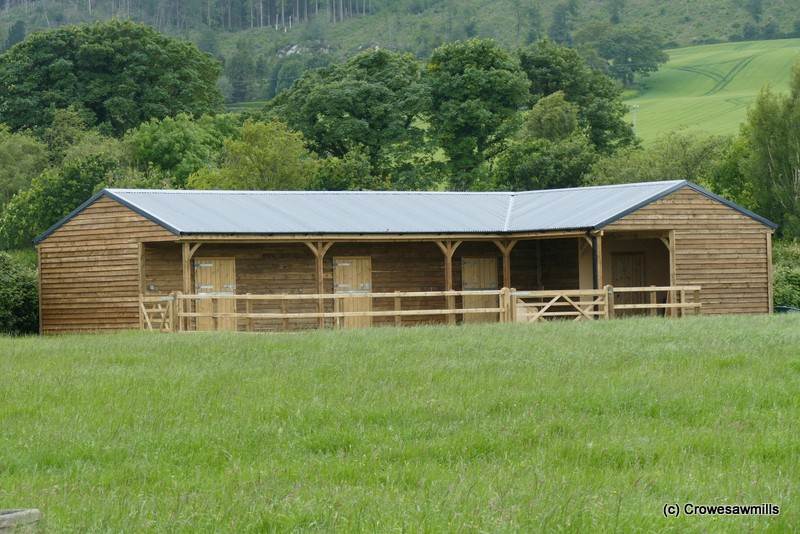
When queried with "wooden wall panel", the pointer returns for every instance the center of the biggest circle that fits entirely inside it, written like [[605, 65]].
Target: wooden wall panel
[[716, 247], [89, 269]]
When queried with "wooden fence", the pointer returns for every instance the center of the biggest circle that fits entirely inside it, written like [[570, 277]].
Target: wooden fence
[[180, 312]]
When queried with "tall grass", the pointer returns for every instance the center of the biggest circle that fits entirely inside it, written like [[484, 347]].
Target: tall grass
[[564, 427]]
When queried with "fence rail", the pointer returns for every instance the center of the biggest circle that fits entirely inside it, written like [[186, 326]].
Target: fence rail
[[181, 312]]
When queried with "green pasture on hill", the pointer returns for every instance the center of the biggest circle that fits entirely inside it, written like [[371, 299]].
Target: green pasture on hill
[[709, 88], [579, 427]]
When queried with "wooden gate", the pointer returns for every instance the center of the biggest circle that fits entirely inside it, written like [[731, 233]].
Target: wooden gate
[[479, 274], [627, 270], [353, 275], [215, 276]]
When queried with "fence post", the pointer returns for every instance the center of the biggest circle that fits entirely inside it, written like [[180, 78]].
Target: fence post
[[178, 311], [653, 302], [683, 303], [398, 319], [609, 302], [248, 308], [171, 313], [284, 321]]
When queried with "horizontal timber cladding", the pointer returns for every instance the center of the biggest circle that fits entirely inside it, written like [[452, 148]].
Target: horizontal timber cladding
[[716, 247], [90, 269], [402, 266]]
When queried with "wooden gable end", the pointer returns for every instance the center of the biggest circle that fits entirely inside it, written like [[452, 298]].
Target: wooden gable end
[[89, 269], [716, 246]]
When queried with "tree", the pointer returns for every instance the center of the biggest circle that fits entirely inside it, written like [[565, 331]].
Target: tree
[[22, 158], [675, 156], [527, 13], [475, 88], [552, 68], [180, 146], [51, 196], [755, 8], [241, 71], [561, 27], [772, 167], [543, 164], [371, 102], [266, 155], [116, 74], [350, 172], [553, 118], [615, 8], [628, 51], [549, 149], [16, 34]]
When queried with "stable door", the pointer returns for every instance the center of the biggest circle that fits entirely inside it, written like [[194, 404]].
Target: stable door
[[214, 277], [352, 275], [627, 270], [479, 274]]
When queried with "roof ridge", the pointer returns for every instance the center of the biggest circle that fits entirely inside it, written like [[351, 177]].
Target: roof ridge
[[507, 222], [299, 192]]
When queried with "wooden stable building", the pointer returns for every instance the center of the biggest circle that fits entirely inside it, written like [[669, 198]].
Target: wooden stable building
[[264, 261]]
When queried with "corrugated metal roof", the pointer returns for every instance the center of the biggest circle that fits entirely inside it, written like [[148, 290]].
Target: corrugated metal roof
[[373, 212]]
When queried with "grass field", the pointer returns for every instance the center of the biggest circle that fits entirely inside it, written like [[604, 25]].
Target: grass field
[[561, 427], [709, 88]]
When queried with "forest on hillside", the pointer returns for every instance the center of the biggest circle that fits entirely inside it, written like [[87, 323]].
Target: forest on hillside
[[265, 45]]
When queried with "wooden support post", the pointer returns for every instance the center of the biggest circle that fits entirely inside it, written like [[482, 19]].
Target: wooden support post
[[505, 249], [609, 302], [188, 252], [319, 248], [285, 323], [141, 282], [398, 319], [448, 249], [672, 275], [770, 296], [598, 258]]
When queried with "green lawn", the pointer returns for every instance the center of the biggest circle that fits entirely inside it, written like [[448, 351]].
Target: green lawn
[[709, 88], [573, 427]]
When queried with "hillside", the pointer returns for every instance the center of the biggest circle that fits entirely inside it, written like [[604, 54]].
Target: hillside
[[406, 23], [709, 87], [273, 28], [589, 427]]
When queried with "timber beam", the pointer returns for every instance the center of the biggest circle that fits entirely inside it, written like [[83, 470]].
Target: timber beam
[[319, 248], [448, 248], [505, 249]]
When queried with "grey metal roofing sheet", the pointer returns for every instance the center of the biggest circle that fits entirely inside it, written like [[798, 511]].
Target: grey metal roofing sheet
[[374, 212]]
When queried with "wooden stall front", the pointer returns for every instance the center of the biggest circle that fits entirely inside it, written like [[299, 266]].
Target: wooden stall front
[[96, 265]]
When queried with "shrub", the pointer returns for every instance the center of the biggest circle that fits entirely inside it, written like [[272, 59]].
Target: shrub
[[786, 263], [19, 300]]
